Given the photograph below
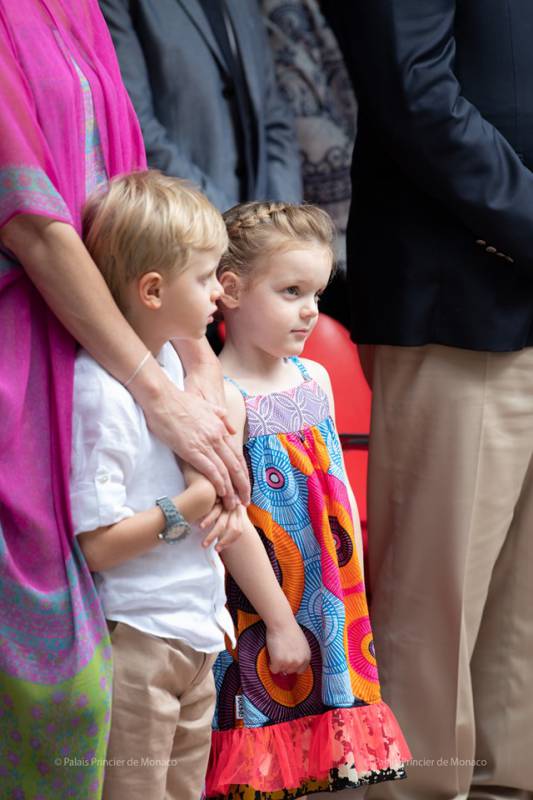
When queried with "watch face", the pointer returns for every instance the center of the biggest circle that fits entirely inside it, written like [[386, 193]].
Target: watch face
[[176, 532]]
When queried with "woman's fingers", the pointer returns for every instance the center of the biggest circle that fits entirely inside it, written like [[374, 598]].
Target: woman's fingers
[[219, 477], [223, 414], [236, 467]]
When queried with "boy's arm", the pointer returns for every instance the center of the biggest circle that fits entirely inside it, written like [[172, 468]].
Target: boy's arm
[[321, 376], [107, 449], [111, 545]]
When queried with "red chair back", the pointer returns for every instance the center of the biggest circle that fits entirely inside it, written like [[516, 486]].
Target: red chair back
[[331, 346]]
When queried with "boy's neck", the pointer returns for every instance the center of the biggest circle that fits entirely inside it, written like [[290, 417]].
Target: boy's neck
[[145, 331]]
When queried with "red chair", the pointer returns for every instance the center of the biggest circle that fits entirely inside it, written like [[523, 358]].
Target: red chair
[[331, 346]]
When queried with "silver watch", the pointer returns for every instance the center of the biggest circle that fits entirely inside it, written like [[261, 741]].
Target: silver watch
[[176, 527]]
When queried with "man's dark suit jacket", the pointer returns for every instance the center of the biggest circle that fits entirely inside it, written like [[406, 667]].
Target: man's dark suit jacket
[[178, 80], [441, 165]]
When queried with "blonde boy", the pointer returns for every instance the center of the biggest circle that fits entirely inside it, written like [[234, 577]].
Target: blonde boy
[[157, 242]]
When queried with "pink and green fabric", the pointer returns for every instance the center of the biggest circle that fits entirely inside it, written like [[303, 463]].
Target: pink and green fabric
[[66, 125]]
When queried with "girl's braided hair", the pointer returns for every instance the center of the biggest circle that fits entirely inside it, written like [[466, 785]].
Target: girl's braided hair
[[259, 228]]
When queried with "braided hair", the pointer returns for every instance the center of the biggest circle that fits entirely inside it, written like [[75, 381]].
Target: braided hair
[[259, 228]]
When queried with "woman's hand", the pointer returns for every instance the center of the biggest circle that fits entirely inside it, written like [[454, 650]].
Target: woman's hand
[[194, 429], [288, 649], [205, 380]]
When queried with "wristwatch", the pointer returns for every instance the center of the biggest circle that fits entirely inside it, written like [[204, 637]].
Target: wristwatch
[[176, 527]]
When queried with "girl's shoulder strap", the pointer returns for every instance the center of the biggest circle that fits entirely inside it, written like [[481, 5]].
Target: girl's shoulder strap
[[241, 390], [301, 366]]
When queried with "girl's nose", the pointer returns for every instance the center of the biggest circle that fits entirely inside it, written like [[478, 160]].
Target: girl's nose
[[309, 311]]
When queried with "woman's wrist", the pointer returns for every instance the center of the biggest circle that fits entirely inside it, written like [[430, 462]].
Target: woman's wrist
[[193, 352], [150, 384]]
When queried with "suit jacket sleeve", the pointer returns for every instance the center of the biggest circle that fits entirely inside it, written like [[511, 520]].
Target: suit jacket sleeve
[[283, 156], [402, 56], [162, 152]]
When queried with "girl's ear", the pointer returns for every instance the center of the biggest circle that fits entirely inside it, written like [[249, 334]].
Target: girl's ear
[[232, 285], [149, 288]]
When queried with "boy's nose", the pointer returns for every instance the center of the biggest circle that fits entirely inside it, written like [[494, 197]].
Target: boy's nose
[[217, 292]]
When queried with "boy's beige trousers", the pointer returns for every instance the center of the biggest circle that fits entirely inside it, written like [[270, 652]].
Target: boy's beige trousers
[[163, 701]]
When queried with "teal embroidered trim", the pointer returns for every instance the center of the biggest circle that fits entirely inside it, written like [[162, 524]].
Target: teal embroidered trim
[[29, 189]]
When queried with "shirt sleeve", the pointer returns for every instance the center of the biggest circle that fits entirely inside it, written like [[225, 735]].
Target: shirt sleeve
[[402, 56], [106, 437]]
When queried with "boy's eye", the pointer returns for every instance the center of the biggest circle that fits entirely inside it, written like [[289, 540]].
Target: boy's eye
[[292, 290]]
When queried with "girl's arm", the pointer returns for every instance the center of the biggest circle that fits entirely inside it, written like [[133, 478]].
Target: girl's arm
[[112, 545], [249, 565], [321, 376], [58, 264]]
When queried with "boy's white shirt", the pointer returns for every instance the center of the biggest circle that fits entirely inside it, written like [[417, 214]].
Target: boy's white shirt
[[118, 469]]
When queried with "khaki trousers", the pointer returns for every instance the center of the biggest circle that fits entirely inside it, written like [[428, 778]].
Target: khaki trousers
[[163, 701], [451, 567]]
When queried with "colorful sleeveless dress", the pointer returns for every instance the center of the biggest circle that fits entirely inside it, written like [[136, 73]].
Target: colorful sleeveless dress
[[279, 737]]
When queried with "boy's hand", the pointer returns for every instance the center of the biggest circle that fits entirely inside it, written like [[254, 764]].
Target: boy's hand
[[288, 649], [227, 525]]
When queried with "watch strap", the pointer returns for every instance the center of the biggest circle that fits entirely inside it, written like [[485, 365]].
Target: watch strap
[[176, 526]]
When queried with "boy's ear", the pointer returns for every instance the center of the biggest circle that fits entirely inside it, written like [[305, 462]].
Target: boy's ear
[[232, 285], [149, 289]]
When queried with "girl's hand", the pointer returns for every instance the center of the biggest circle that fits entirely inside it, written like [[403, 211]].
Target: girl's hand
[[209, 520], [288, 649], [227, 526]]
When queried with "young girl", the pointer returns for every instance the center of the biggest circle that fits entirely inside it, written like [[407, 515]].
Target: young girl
[[326, 729]]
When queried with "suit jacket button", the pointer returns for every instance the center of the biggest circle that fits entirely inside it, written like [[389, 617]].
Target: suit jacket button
[[490, 250], [481, 242]]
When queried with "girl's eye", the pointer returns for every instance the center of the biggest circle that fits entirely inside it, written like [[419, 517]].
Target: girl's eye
[[292, 290]]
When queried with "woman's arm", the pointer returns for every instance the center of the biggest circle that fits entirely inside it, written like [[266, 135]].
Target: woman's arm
[[112, 545], [60, 267]]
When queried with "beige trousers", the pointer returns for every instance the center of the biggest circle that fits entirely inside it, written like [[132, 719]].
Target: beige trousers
[[451, 567], [163, 701]]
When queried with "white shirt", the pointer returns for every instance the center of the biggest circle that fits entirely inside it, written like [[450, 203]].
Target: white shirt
[[118, 469]]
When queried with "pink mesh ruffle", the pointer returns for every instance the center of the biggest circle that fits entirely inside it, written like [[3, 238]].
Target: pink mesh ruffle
[[356, 741]]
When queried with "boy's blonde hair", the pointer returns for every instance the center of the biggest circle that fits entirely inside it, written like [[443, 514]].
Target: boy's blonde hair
[[148, 221], [258, 229]]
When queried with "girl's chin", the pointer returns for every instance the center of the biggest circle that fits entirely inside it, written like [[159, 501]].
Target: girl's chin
[[295, 349]]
